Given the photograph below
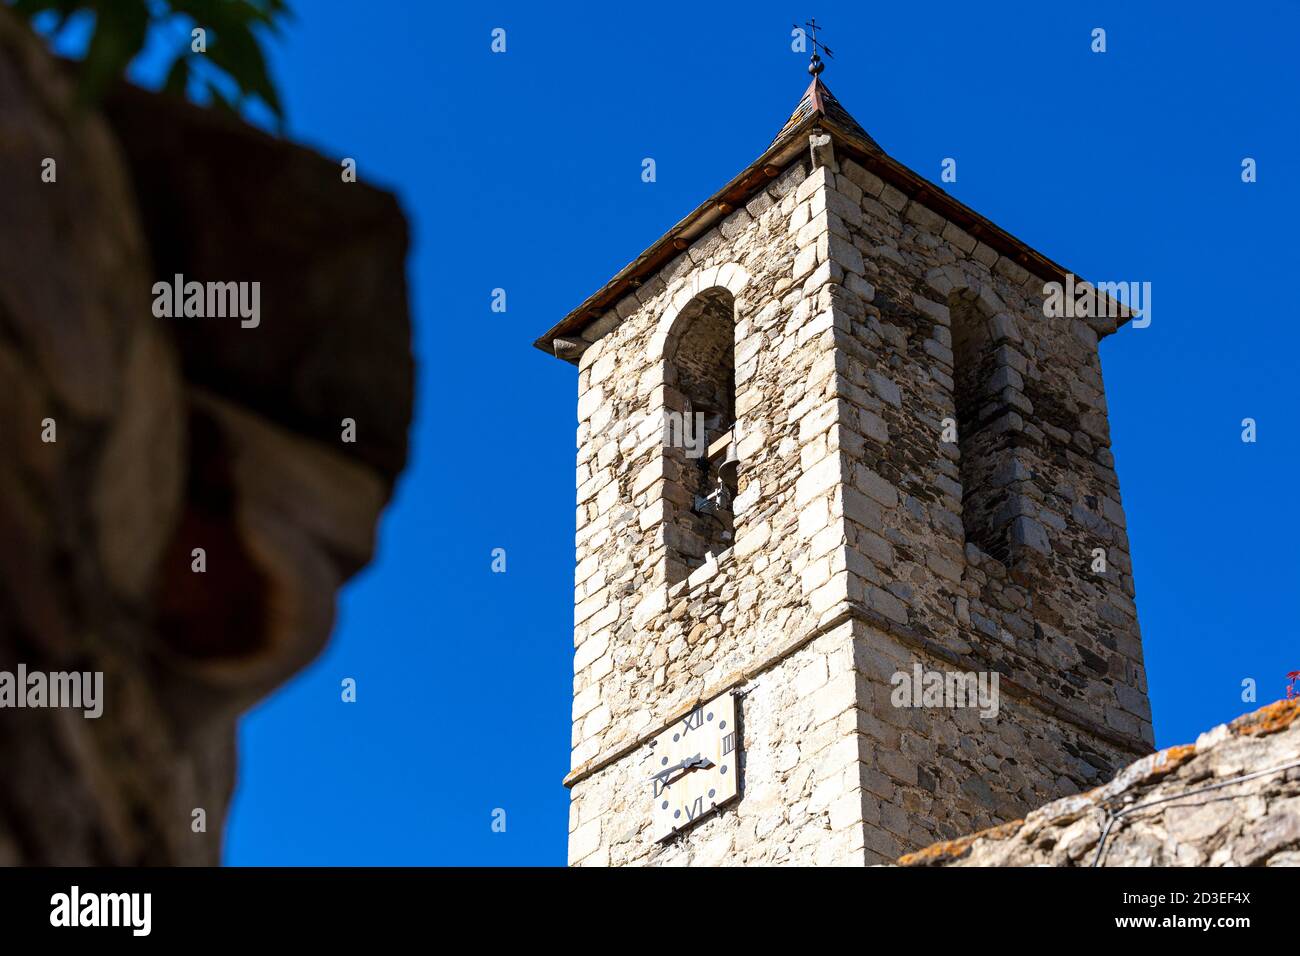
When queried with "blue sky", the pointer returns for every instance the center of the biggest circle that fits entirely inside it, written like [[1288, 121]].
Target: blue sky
[[522, 171]]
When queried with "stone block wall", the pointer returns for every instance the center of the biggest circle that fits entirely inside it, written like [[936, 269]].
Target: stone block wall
[[1066, 630], [1232, 798], [799, 798], [929, 774], [851, 553], [1033, 440], [636, 661]]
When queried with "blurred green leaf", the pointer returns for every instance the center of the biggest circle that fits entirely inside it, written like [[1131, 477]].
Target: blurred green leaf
[[178, 77], [240, 56], [122, 27], [34, 8], [219, 99], [30, 8]]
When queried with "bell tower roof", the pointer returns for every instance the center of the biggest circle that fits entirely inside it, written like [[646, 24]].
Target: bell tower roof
[[820, 102], [817, 109]]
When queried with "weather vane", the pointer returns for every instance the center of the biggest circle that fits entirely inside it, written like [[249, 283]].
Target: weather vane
[[815, 65]]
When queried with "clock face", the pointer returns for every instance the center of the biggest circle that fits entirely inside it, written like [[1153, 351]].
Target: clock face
[[696, 766]]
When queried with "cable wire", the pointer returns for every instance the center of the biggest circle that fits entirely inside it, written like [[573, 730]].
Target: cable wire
[[1113, 817]]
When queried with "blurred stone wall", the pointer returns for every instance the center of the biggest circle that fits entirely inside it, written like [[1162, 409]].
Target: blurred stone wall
[[170, 435]]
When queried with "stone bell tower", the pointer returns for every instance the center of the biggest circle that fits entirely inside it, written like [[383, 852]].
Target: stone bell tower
[[852, 571]]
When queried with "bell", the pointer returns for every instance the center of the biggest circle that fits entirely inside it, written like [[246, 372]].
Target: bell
[[730, 465]]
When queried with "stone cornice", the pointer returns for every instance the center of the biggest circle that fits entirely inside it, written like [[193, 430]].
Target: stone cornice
[[909, 637]]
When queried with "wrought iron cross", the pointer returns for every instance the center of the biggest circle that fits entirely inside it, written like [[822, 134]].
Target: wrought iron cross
[[815, 65]]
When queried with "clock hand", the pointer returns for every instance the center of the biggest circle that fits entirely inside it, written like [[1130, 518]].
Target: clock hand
[[690, 763]]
